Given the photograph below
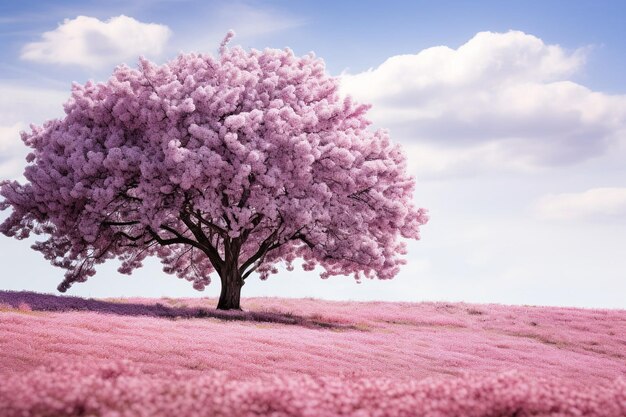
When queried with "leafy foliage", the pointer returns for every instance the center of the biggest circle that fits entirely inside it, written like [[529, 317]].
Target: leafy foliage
[[227, 165]]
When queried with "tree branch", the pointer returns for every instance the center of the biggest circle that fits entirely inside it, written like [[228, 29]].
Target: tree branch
[[246, 192], [263, 249], [203, 242], [359, 196], [255, 222], [268, 244], [165, 242], [260, 259], [128, 223], [209, 224], [127, 236], [299, 236]]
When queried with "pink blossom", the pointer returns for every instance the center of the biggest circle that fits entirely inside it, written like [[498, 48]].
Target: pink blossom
[[230, 165], [362, 359]]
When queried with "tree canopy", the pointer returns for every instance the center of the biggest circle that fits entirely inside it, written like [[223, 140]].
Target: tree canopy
[[229, 165]]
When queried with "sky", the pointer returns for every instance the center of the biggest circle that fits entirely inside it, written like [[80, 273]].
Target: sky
[[512, 116]]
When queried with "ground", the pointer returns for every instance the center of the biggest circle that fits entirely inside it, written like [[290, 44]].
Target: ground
[[306, 357]]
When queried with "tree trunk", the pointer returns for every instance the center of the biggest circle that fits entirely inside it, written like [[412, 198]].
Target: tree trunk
[[231, 289]]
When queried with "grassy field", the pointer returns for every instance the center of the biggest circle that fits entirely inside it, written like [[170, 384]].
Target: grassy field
[[304, 357]]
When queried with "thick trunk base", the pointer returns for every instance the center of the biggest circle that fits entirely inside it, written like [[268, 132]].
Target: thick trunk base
[[230, 295]]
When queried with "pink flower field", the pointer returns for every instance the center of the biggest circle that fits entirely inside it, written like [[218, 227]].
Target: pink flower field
[[65, 356]]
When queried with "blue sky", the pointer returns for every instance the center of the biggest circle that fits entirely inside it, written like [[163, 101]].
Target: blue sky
[[513, 115], [355, 35]]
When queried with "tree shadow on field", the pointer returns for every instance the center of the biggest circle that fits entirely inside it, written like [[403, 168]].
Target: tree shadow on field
[[48, 302]]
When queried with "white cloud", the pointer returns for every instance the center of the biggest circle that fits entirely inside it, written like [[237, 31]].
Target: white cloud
[[20, 106], [500, 101], [89, 42], [12, 151], [24, 104], [7, 137], [591, 204], [430, 161]]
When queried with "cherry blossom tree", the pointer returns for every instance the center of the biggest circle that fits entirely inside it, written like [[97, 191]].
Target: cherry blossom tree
[[228, 165]]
